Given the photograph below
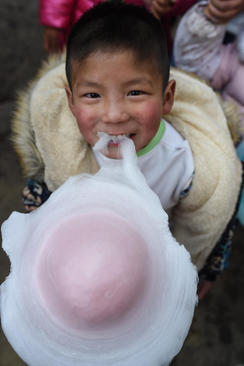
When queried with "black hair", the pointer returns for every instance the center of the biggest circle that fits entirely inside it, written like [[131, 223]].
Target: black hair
[[113, 26]]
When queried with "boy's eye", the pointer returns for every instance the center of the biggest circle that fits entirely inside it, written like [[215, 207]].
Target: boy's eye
[[92, 95], [136, 92]]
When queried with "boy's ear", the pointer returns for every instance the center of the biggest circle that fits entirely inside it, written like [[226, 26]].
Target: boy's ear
[[70, 98], [168, 97]]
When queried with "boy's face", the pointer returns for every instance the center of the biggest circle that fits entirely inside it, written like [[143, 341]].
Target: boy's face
[[114, 93]]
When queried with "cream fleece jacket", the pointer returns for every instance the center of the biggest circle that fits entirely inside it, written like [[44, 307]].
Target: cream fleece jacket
[[50, 144]]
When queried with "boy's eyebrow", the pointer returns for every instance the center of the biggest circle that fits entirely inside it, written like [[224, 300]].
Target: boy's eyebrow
[[126, 84], [88, 83], [138, 81]]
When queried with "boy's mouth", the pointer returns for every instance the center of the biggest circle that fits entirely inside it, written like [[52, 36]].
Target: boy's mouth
[[132, 135], [121, 135], [116, 139], [110, 143]]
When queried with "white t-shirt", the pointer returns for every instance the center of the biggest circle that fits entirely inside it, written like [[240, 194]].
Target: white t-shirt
[[167, 164]]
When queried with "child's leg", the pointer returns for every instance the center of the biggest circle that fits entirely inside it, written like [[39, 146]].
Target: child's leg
[[235, 87], [229, 78], [227, 96]]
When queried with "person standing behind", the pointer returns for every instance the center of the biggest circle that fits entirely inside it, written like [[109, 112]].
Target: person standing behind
[[199, 48], [58, 17]]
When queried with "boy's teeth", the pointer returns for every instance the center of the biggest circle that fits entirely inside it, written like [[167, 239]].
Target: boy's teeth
[[115, 138]]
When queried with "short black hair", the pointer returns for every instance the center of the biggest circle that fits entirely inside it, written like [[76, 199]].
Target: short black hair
[[113, 26]]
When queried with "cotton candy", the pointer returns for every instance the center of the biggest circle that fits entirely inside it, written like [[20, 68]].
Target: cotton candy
[[96, 276]]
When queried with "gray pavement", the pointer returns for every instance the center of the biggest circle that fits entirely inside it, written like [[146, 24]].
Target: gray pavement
[[216, 337]]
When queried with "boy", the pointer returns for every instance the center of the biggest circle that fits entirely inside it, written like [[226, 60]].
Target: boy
[[113, 88], [117, 70]]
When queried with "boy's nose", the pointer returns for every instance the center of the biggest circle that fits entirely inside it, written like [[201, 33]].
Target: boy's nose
[[115, 112]]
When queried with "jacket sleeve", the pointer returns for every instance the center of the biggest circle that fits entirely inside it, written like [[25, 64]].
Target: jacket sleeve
[[56, 13], [217, 261], [201, 218], [198, 43]]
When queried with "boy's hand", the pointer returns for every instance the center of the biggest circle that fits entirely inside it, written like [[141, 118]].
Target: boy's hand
[[224, 10], [51, 39], [31, 201], [35, 194], [161, 7]]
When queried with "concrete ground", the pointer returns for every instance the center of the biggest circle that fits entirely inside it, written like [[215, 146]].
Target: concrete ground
[[216, 337]]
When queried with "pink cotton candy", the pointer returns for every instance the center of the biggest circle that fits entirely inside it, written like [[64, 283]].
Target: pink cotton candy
[[93, 269], [96, 276]]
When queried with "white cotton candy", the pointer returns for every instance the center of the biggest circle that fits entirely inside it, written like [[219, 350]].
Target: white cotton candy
[[96, 277]]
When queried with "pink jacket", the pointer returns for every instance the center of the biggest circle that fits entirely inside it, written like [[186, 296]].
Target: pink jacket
[[63, 14]]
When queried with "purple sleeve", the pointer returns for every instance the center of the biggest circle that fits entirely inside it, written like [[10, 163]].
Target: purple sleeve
[[198, 43]]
